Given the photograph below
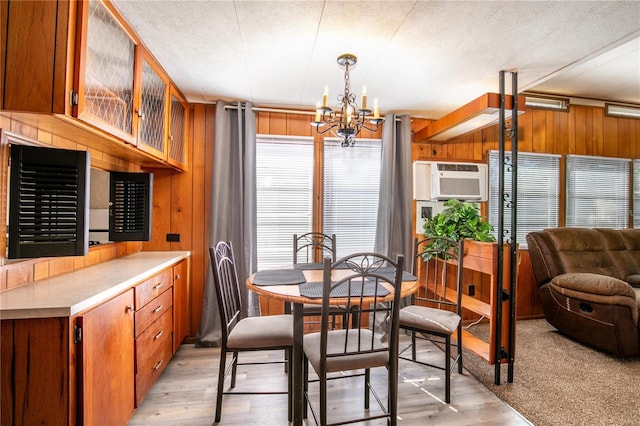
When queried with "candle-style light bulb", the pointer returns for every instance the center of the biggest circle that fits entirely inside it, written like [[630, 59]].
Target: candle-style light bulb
[[325, 97], [317, 120], [364, 98], [376, 110]]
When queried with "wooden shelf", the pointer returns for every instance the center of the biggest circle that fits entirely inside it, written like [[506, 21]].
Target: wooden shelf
[[470, 303]]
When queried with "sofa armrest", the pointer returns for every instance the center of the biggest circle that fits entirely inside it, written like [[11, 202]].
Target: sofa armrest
[[596, 288]]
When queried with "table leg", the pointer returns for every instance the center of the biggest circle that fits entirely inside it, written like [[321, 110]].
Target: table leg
[[298, 380]]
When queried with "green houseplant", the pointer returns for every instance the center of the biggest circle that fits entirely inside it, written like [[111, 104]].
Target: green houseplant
[[457, 221]]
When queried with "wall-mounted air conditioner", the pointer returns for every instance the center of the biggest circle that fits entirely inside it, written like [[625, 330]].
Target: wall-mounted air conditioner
[[440, 180]]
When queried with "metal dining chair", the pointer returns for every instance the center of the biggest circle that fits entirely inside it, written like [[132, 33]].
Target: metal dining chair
[[354, 350], [308, 249], [438, 316], [274, 332]]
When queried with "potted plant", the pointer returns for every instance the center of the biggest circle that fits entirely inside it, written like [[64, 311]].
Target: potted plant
[[457, 221]]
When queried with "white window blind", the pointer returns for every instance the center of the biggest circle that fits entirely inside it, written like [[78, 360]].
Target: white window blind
[[351, 185], [636, 193], [538, 193], [284, 175], [597, 191]]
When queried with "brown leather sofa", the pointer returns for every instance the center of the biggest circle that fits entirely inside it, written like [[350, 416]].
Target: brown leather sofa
[[589, 282]]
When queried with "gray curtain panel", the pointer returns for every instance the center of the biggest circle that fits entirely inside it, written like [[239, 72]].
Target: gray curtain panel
[[233, 208], [393, 233]]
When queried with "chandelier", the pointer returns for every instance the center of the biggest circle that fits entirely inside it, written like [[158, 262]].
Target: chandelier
[[349, 120]]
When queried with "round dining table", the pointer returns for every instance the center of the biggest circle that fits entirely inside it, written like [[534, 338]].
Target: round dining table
[[291, 293]]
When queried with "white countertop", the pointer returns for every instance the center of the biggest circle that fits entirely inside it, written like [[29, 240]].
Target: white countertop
[[68, 294]]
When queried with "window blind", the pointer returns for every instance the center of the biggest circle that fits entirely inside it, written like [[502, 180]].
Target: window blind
[[538, 193], [351, 185], [284, 177], [597, 191]]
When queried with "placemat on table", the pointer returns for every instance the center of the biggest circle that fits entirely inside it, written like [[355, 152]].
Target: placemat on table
[[279, 277], [313, 290]]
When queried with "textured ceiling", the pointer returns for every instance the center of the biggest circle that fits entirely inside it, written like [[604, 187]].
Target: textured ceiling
[[422, 57]]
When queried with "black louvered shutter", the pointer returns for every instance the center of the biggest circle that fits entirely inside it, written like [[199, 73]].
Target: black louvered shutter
[[130, 206], [48, 202]]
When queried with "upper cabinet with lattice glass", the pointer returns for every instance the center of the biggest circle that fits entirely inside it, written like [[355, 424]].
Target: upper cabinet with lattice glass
[[177, 130], [151, 107], [92, 72], [105, 89]]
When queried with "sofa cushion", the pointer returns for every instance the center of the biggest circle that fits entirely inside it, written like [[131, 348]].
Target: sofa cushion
[[581, 250], [623, 247]]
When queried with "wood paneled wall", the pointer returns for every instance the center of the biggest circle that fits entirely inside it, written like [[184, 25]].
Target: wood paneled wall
[[182, 200], [584, 130]]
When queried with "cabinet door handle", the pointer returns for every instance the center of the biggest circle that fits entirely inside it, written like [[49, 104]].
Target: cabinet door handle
[[177, 276], [157, 286], [157, 309], [130, 308], [157, 336], [158, 364]]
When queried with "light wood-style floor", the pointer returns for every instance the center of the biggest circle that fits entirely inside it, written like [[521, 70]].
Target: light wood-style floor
[[185, 395]]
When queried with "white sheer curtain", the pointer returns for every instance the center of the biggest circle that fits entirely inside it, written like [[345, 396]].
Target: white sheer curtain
[[393, 233], [233, 208]]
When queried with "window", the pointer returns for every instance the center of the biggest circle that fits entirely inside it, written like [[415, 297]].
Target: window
[[538, 193], [285, 194], [597, 191], [284, 177], [351, 185]]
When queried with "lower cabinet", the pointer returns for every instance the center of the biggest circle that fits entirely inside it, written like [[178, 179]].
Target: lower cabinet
[[96, 367], [105, 362]]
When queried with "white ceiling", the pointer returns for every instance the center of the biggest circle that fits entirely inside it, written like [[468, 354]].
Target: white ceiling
[[426, 58]]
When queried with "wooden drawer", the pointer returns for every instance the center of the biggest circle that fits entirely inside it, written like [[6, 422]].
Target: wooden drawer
[[151, 360], [152, 288], [153, 337], [152, 311]]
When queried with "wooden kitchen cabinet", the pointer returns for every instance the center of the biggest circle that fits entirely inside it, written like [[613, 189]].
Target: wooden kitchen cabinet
[[153, 330], [105, 362], [95, 366], [104, 85], [180, 303], [178, 110], [78, 63], [151, 106]]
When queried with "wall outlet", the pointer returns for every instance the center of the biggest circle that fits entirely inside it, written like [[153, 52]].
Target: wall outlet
[[472, 290], [173, 238]]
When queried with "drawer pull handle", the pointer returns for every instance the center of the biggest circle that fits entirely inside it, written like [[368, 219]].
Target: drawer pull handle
[[157, 286], [157, 309], [157, 336], [158, 364]]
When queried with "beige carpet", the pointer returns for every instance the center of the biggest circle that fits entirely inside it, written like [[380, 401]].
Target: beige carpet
[[560, 382]]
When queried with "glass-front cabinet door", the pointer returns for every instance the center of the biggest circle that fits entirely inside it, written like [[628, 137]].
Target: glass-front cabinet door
[[151, 108], [106, 71], [177, 130]]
